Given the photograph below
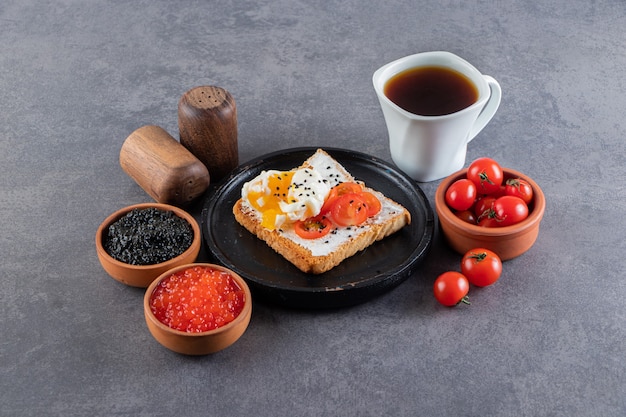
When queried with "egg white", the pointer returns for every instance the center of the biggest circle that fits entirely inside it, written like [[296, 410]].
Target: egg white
[[307, 193]]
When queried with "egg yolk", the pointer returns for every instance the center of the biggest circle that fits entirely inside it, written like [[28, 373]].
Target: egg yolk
[[269, 205]]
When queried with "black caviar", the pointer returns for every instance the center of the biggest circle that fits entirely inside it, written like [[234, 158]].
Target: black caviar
[[148, 236]]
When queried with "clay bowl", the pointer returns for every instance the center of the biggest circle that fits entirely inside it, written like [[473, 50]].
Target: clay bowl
[[142, 275], [201, 343], [509, 241]]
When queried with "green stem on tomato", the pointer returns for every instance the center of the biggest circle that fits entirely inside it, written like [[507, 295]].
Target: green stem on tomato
[[479, 256]]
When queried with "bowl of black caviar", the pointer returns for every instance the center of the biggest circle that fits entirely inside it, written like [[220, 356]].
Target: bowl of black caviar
[[138, 243]]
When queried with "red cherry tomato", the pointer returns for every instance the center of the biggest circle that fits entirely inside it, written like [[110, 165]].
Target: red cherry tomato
[[481, 267], [508, 210], [451, 288], [486, 174], [519, 188], [499, 192], [348, 210], [461, 194], [467, 216], [488, 220], [483, 204], [372, 202], [339, 190], [313, 228]]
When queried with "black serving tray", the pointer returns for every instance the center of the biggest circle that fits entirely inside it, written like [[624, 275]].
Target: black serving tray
[[369, 273]]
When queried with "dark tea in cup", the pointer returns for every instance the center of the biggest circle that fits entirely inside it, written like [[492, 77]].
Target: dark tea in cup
[[434, 104], [431, 90]]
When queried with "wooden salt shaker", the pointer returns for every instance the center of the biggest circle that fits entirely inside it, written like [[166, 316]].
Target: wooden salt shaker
[[163, 167], [207, 121]]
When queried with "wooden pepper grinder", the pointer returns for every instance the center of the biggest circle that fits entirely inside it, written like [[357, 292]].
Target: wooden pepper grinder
[[207, 121], [164, 168]]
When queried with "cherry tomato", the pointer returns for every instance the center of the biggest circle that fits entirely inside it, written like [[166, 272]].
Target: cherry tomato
[[486, 174], [372, 202], [348, 210], [483, 204], [461, 194], [467, 216], [313, 228], [481, 267], [508, 210], [488, 220], [519, 188], [451, 288], [339, 190], [499, 192]]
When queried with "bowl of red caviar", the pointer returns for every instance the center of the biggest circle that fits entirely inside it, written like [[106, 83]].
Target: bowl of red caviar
[[137, 243], [198, 309]]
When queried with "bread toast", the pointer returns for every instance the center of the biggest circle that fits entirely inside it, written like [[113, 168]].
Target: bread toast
[[319, 255]]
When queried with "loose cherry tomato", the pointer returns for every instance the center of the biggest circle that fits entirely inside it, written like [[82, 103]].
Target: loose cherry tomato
[[461, 194], [508, 210], [451, 288], [483, 204], [481, 267], [348, 210], [313, 228], [519, 188], [467, 216], [486, 174], [339, 190], [372, 202]]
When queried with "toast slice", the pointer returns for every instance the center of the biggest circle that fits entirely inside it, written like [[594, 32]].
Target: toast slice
[[319, 255]]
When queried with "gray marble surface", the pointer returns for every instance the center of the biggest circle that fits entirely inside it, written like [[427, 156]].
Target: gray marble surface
[[77, 77]]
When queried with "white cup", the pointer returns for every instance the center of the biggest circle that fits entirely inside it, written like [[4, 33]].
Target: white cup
[[428, 148]]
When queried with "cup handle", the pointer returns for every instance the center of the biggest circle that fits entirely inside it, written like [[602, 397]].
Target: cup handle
[[490, 108]]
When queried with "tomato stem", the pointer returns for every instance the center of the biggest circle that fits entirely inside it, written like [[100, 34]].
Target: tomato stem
[[464, 300], [479, 256], [485, 178]]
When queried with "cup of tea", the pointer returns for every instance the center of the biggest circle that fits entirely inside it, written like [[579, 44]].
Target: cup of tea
[[434, 104]]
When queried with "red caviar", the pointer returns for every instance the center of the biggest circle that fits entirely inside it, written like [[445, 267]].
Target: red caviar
[[197, 299]]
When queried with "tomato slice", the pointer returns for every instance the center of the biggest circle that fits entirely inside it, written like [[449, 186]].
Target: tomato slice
[[313, 227], [372, 202], [349, 210], [339, 190]]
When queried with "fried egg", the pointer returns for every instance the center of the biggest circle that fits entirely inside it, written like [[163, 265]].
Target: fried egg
[[286, 196]]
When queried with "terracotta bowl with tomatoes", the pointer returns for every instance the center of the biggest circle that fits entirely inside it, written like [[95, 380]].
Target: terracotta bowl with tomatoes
[[198, 309], [141, 274], [504, 219]]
